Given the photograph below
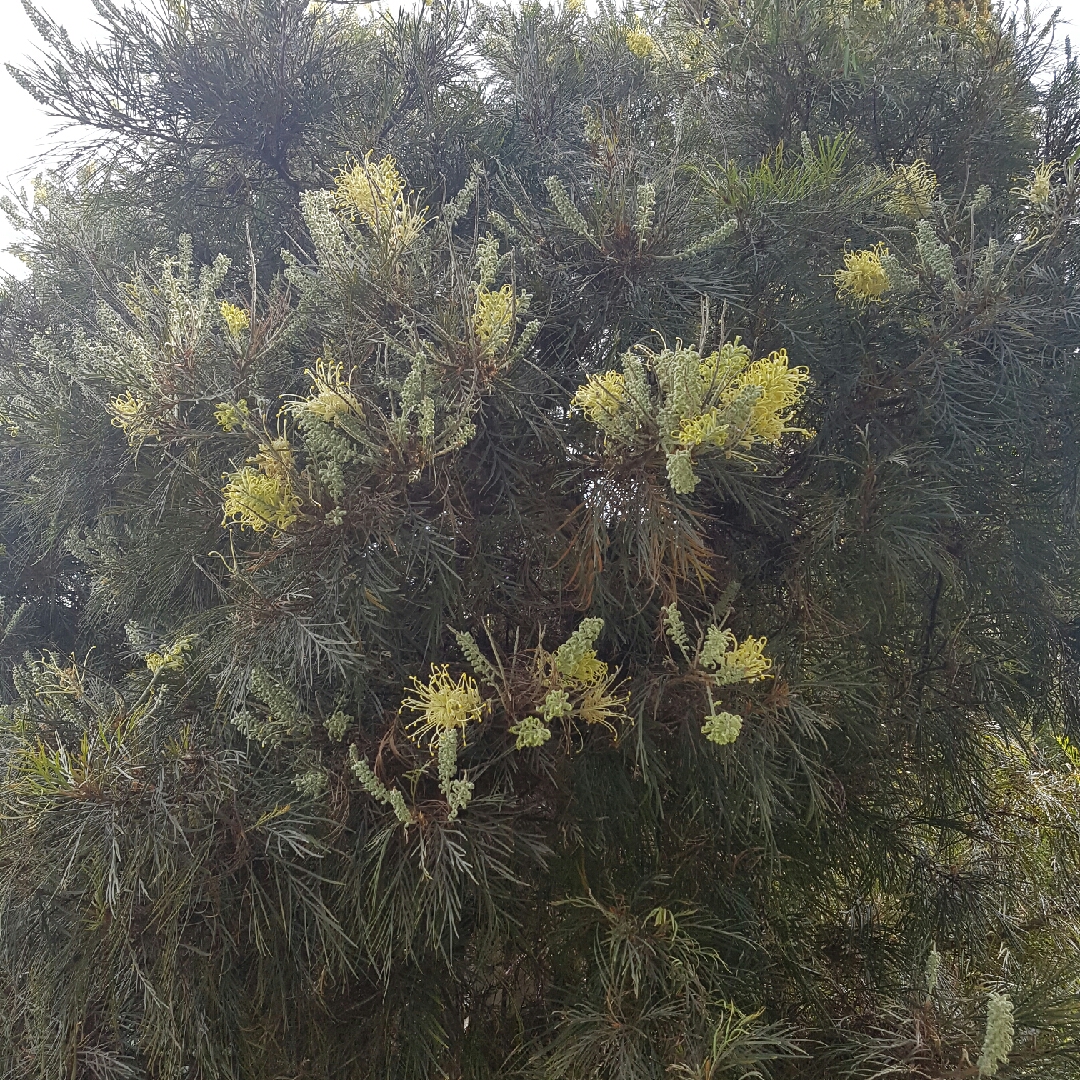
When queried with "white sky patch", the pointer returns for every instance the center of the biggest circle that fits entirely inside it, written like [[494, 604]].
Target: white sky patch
[[27, 131]]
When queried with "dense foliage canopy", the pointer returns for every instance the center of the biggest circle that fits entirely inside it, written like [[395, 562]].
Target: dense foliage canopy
[[542, 542]]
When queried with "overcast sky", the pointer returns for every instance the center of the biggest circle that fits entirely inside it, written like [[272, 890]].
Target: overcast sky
[[25, 130]]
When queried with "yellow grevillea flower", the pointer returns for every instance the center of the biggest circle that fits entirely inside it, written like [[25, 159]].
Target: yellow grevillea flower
[[443, 705], [374, 191], [1038, 191], [914, 187], [744, 663], [640, 42], [731, 662], [589, 671], [230, 416], [678, 401], [782, 389], [258, 501], [172, 659], [236, 318], [495, 313], [721, 727], [330, 397], [723, 365], [260, 495], [371, 189], [601, 397], [600, 705], [709, 427], [769, 390], [132, 415], [864, 277], [578, 646]]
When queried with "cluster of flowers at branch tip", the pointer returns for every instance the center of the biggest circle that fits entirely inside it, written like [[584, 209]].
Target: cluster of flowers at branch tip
[[864, 278], [235, 318], [330, 399], [914, 190], [568, 685], [496, 311], [260, 495], [443, 705], [724, 661], [331, 420], [688, 405], [283, 715], [639, 41], [184, 303], [1038, 189], [444, 709], [374, 193], [231, 415], [132, 415], [172, 658], [494, 315], [998, 1042], [432, 406], [571, 684]]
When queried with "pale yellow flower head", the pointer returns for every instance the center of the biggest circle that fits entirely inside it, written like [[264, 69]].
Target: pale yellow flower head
[[371, 189], [745, 663], [330, 395], [782, 389], [639, 41], [771, 389], [132, 415], [374, 192], [914, 188], [1038, 191], [495, 313], [257, 501], [601, 397], [588, 670], [722, 727], [230, 416], [731, 662], [260, 495], [235, 318], [172, 658], [864, 277], [601, 705], [443, 705]]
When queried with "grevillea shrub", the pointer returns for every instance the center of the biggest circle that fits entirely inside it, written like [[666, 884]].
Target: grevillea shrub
[[542, 542]]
